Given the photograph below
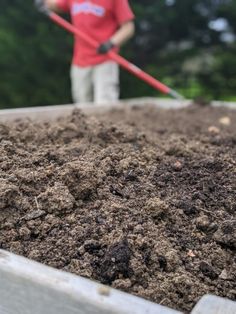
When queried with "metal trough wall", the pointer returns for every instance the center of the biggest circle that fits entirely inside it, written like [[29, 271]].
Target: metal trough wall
[[54, 112], [27, 287]]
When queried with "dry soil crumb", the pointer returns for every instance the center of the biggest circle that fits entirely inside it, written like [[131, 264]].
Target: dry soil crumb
[[143, 200]]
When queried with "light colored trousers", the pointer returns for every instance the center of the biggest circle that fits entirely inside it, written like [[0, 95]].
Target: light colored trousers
[[99, 83]]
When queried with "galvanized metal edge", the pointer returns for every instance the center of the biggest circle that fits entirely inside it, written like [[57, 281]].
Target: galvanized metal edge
[[210, 304], [54, 112], [28, 287]]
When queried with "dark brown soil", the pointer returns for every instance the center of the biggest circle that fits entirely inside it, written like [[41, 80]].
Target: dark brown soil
[[143, 201]]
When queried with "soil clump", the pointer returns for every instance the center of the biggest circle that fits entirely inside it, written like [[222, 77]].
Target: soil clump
[[142, 200]]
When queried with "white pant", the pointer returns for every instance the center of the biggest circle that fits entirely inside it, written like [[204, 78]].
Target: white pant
[[99, 83]]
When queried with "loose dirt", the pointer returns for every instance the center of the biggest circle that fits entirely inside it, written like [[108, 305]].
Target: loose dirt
[[142, 200]]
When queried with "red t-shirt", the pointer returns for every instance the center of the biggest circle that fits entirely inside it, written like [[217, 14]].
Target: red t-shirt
[[97, 18]]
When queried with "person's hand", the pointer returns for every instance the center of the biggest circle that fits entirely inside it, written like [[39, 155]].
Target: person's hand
[[105, 47], [41, 6]]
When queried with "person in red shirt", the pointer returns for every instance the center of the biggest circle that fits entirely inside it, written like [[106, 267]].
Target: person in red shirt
[[94, 77]]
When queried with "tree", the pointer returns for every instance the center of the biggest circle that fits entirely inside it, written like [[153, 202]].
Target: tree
[[36, 54]]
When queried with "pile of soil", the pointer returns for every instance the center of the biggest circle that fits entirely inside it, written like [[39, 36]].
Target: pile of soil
[[142, 200]]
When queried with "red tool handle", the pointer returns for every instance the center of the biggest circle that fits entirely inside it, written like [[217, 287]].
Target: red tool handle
[[116, 57]]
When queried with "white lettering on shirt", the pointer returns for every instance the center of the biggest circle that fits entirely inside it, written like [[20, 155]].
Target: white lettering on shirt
[[87, 7]]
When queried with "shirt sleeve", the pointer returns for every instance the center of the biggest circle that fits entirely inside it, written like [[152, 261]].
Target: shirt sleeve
[[63, 5], [123, 11]]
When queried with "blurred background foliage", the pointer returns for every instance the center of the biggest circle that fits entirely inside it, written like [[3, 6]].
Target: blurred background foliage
[[187, 44]]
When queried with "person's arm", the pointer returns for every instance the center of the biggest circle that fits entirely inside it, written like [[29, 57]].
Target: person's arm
[[45, 5], [52, 5], [124, 16], [124, 33]]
